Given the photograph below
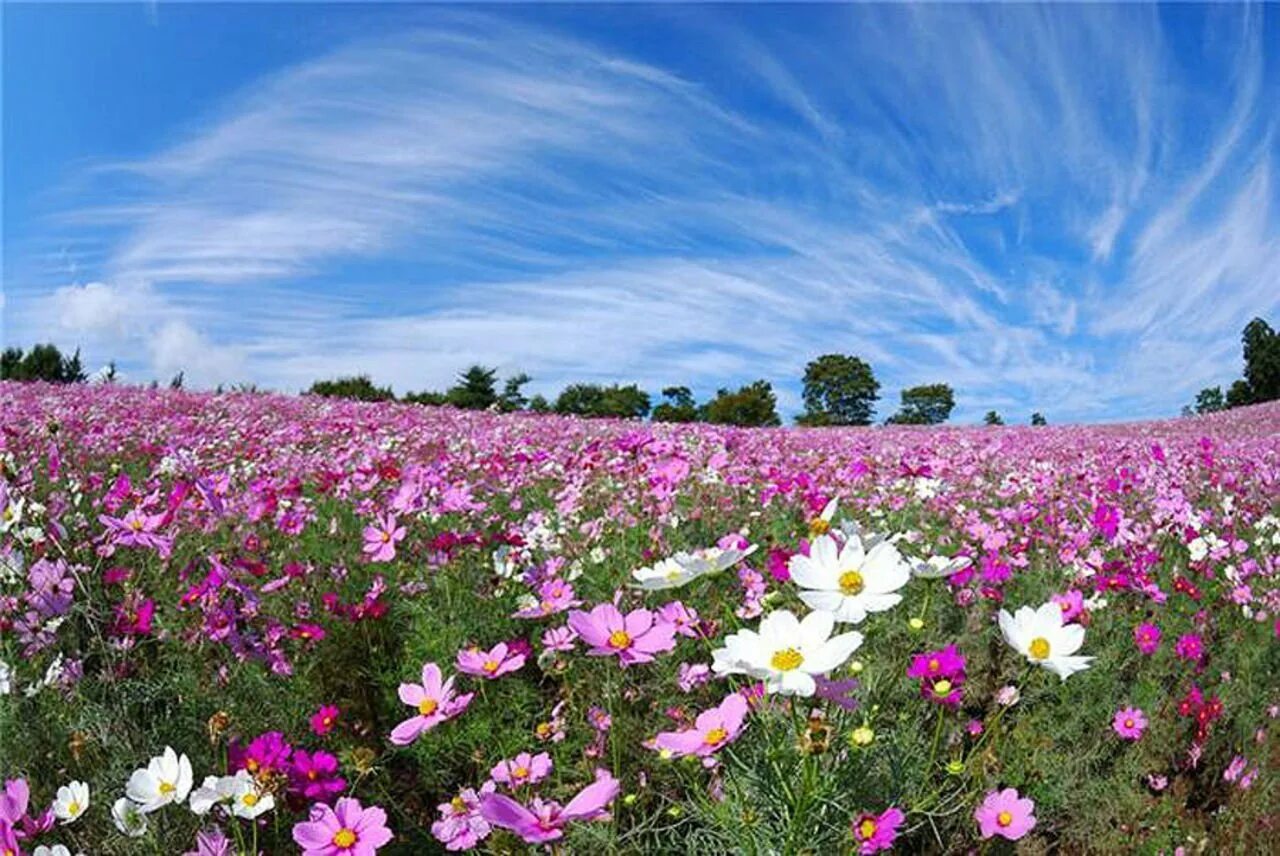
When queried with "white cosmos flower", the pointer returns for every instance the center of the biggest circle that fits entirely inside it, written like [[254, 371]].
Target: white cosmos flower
[[128, 818], [849, 581], [55, 850], [787, 652], [6, 678], [71, 802], [685, 567], [167, 779], [212, 791], [1041, 637], [247, 799], [936, 567]]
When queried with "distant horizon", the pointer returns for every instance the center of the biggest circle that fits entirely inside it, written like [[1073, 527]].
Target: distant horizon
[[1070, 210]]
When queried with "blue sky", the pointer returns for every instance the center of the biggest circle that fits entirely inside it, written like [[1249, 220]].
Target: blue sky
[[1070, 209]]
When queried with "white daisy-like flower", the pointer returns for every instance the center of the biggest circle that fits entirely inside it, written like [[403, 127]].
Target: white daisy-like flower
[[71, 802], [6, 678], [55, 850], [128, 818], [1041, 636], [684, 567], [787, 652], [214, 790], [165, 780], [247, 799], [937, 567], [849, 581]]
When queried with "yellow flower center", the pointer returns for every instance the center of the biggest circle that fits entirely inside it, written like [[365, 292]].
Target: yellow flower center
[[787, 660], [166, 788], [851, 582], [250, 799], [934, 665], [428, 706], [542, 729], [73, 808], [818, 526], [715, 737], [386, 536], [619, 639], [135, 525], [866, 829], [1004, 818], [490, 666], [520, 772], [251, 765], [1039, 648], [344, 838], [942, 687], [458, 804], [1128, 723]]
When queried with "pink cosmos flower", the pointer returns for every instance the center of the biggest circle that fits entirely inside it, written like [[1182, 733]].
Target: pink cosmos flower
[[1129, 723], [554, 595], [492, 664], [523, 769], [1235, 768], [683, 619], [876, 832], [692, 675], [1072, 603], [435, 702], [941, 675], [324, 719], [1147, 637], [1006, 814], [380, 540], [349, 829], [559, 639], [1189, 647], [13, 801], [461, 826], [544, 820], [315, 775], [712, 730], [633, 638]]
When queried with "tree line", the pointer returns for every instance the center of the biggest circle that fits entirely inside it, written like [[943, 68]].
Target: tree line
[[1261, 381]]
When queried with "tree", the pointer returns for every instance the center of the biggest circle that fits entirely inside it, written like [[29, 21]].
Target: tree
[[593, 400], [1037, 418], [474, 389], [753, 404], [512, 399], [1261, 361], [930, 404], [436, 399], [356, 387], [839, 390], [1239, 394], [539, 404], [42, 362], [992, 418], [178, 380], [1210, 400], [678, 407]]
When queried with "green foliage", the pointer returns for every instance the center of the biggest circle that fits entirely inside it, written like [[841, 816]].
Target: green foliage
[[930, 404], [752, 405], [356, 387], [839, 390], [1261, 361], [1037, 418], [992, 418], [1210, 400], [1239, 394], [512, 398], [678, 407], [539, 404], [475, 389], [594, 400], [42, 362]]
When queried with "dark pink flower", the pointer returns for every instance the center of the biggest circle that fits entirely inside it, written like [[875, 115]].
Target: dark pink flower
[[876, 832], [324, 719]]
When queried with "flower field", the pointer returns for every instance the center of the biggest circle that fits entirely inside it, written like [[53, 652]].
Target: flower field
[[251, 623]]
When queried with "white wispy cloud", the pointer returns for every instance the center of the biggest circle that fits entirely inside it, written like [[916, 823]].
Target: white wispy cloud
[[1005, 198]]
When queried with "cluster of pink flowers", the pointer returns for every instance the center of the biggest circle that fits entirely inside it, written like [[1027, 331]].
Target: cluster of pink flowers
[[941, 675]]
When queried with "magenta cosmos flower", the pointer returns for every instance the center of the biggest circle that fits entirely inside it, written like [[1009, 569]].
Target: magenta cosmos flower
[[324, 719], [523, 769], [633, 638], [544, 820], [941, 674], [1189, 647], [346, 830], [435, 702], [380, 540], [876, 832], [712, 730], [491, 664], [1147, 637], [1129, 723], [1006, 814]]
